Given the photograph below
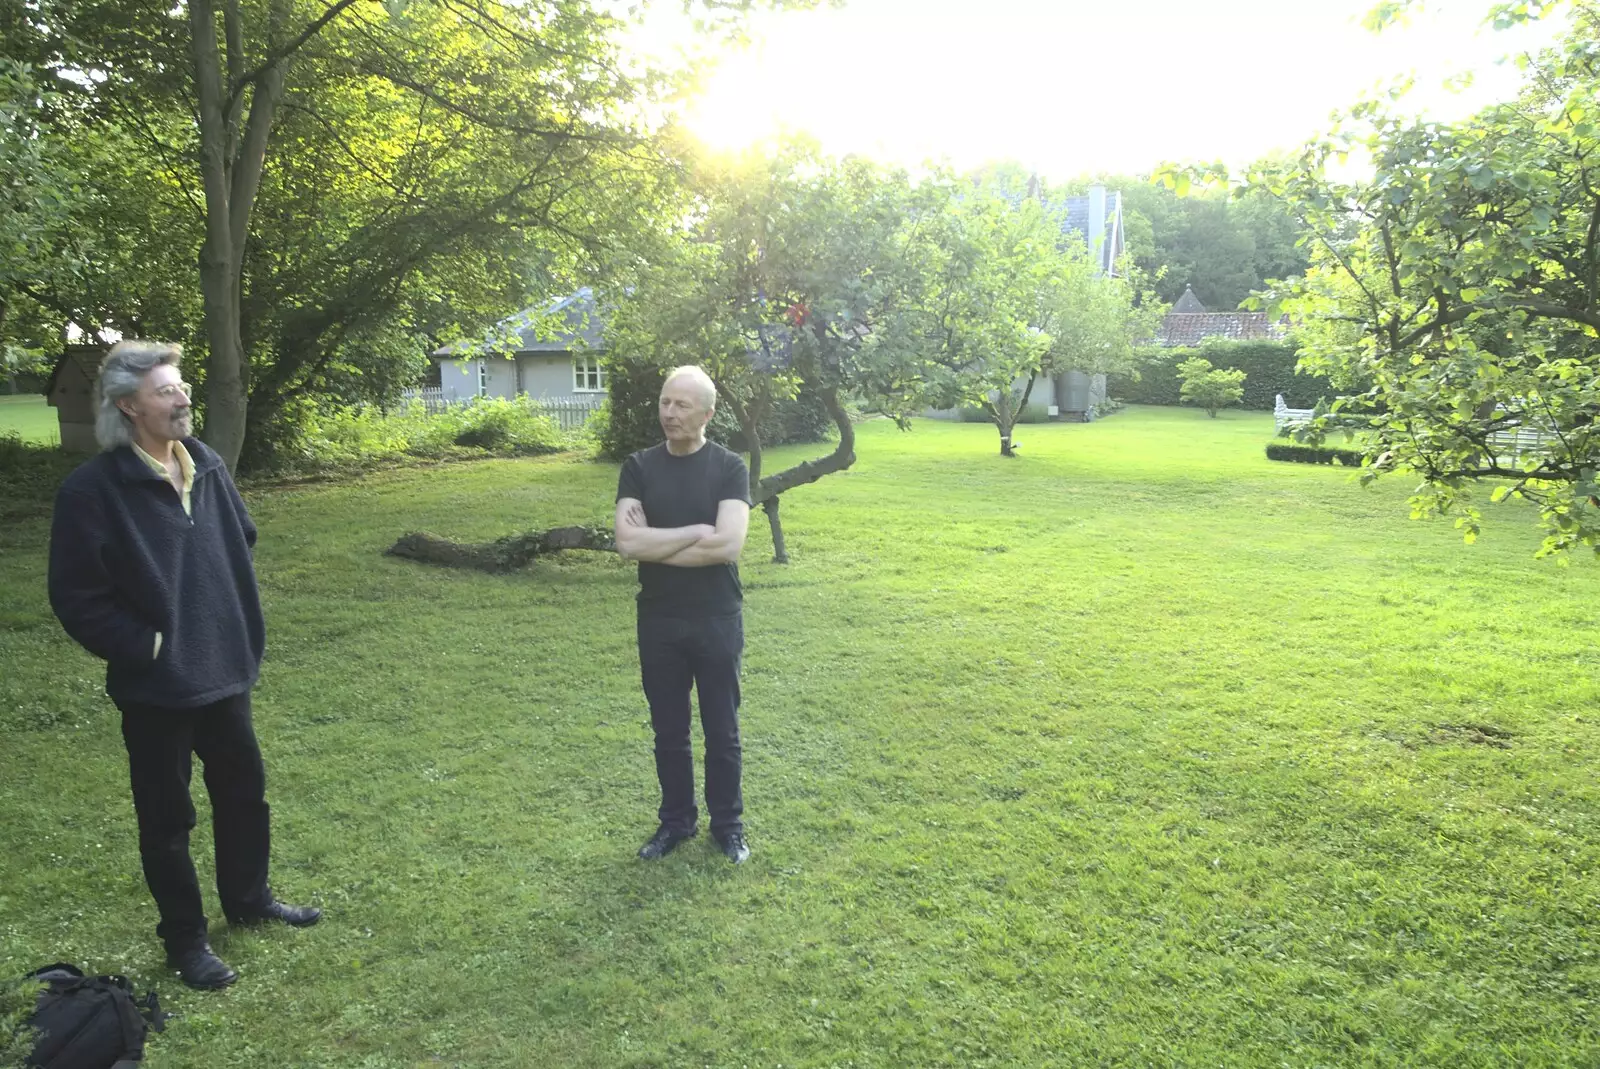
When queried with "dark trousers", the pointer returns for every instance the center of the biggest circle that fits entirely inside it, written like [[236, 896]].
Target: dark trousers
[[160, 742], [704, 653]]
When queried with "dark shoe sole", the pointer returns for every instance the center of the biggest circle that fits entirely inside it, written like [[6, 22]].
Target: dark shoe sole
[[273, 918], [646, 854], [210, 985], [215, 983]]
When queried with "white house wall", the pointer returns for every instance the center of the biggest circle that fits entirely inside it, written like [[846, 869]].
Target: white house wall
[[547, 376], [458, 379], [502, 376], [541, 375]]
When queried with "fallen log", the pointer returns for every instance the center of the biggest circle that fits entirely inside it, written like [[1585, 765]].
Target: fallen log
[[503, 554]]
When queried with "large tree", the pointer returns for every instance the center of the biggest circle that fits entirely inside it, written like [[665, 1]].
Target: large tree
[[1456, 293], [356, 173]]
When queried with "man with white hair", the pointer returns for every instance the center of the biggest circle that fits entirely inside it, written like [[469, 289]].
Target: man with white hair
[[151, 571], [683, 508]]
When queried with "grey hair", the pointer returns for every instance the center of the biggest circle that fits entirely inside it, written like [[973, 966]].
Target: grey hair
[[121, 372], [696, 373]]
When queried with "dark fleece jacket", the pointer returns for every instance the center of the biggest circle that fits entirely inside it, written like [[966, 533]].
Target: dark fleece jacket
[[126, 562]]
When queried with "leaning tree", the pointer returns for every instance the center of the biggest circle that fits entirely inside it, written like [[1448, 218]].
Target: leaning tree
[[782, 277]]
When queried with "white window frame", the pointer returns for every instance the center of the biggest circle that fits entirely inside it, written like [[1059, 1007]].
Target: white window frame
[[587, 369], [483, 377]]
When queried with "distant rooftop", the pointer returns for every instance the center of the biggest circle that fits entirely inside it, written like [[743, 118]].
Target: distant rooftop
[[567, 324], [1188, 303], [1190, 328]]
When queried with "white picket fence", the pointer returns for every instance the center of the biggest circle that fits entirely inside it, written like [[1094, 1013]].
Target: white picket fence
[[571, 412], [432, 398]]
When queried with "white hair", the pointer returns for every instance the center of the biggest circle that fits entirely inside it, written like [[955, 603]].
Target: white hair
[[706, 388], [121, 373]]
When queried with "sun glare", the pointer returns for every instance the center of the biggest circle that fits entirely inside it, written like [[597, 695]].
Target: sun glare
[[1070, 88]]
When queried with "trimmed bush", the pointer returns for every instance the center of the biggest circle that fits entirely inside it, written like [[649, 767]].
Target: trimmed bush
[[1300, 453], [1268, 367]]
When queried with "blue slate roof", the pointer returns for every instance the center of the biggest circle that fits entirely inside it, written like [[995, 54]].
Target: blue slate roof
[[567, 324]]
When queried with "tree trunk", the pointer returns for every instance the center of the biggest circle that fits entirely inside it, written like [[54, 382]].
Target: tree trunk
[[230, 172], [503, 554], [843, 455], [1006, 411], [780, 551], [224, 397], [766, 492], [748, 417]]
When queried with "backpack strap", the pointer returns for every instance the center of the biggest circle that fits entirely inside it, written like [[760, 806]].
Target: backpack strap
[[150, 1009], [133, 1022], [60, 972]]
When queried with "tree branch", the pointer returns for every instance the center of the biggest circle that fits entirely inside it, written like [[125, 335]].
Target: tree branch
[[278, 55], [810, 471]]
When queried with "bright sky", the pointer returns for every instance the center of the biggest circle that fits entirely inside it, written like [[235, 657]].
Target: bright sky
[[1069, 87]]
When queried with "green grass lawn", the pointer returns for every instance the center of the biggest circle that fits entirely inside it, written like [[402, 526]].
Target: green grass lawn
[[1137, 750], [30, 417]]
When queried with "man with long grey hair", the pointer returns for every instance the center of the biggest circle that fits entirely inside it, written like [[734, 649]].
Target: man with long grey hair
[[151, 571]]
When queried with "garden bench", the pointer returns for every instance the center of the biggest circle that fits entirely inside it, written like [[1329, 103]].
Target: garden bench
[[1283, 415], [1511, 444]]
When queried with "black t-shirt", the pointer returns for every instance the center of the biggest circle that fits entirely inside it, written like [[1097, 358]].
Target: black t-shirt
[[678, 492]]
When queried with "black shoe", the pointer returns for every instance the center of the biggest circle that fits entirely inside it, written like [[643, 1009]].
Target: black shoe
[[733, 847], [664, 842], [294, 916], [200, 968]]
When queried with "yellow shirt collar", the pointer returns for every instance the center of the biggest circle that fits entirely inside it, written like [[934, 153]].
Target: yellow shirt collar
[[185, 468]]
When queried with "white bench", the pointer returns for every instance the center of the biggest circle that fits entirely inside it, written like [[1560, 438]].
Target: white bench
[[1509, 445], [1514, 443], [1282, 414]]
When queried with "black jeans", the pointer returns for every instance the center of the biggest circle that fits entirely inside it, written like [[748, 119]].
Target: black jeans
[[675, 654], [160, 742]]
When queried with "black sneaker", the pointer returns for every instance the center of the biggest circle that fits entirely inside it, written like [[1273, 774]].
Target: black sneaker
[[664, 842], [733, 847]]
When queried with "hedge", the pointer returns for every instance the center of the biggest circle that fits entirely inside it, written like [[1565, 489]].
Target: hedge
[[1299, 453], [1268, 367]]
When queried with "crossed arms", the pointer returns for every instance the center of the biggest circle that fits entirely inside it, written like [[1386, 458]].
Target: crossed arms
[[695, 546]]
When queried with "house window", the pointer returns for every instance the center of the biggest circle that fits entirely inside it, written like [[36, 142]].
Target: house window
[[587, 374], [483, 378]]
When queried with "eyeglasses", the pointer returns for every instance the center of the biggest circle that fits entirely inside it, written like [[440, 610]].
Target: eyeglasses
[[173, 389]]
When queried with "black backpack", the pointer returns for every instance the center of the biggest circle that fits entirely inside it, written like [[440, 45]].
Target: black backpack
[[89, 1022]]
